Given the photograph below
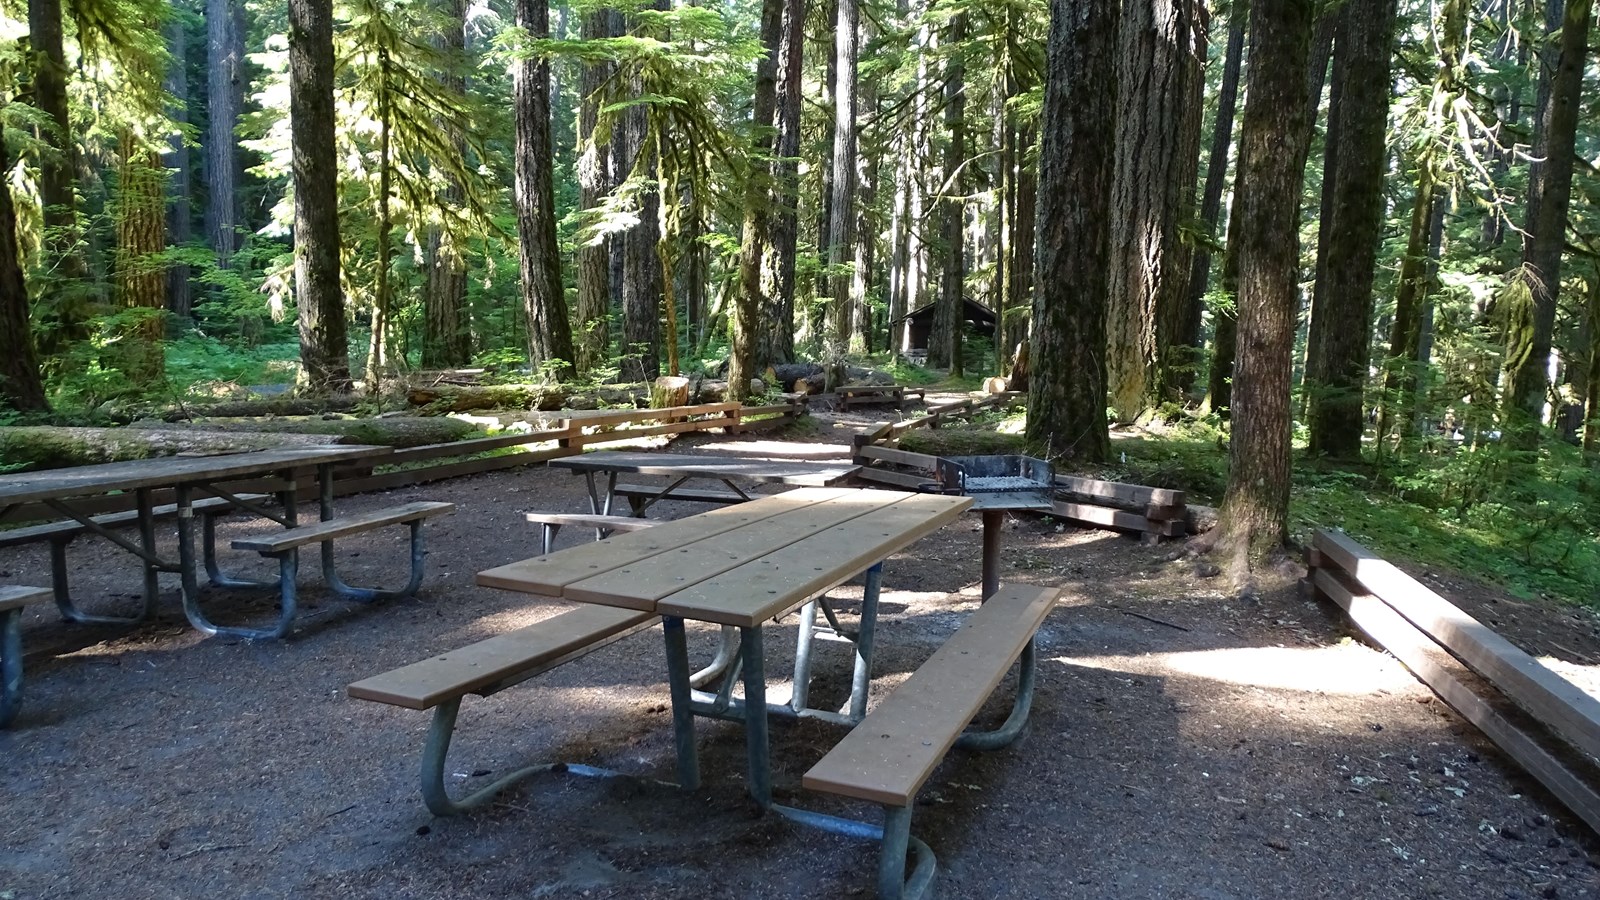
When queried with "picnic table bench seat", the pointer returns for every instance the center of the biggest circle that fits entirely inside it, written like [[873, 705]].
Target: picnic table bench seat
[[61, 534], [284, 545], [640, 495], [889, 756], [857, 394], [551, 523], [12, 600]]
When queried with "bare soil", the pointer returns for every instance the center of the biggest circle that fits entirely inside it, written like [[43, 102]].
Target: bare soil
[[1184, 743]]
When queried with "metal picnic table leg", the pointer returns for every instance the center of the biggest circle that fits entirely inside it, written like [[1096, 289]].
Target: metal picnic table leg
[[10, 664], [681, 693], [993, 520], [861, 678], [147, 540], [757, 751]]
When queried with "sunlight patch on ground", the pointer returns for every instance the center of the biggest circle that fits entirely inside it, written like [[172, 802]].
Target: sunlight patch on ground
[[1345, 669]]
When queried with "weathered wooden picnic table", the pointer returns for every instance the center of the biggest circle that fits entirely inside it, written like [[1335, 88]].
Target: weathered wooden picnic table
[[66, 491], [743, 566], [682, 467]]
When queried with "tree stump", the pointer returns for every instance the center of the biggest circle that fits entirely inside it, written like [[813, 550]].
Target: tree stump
[[669, 391]]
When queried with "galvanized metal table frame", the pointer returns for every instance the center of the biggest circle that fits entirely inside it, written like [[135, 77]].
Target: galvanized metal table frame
[[284, 465], [724, 469]]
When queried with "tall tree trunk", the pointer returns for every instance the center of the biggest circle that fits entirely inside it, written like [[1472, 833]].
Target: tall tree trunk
[[778, 278], [1161, 86], [180, 295], [1211, 197], [324, 347], [868, 159], [380, 342], [446, 334], [749, 301], [1273, 146], [67, 297], [1067, 390], [141, 274], [841, 208], [223, 77], [1341, 317], [1019, 256], [20, 384], [641, 272], [543, 302], [1545, 232], [594, 182], [1591, 417], [945, 343]]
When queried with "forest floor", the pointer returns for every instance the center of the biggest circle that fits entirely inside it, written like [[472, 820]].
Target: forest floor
[[1184, 743]]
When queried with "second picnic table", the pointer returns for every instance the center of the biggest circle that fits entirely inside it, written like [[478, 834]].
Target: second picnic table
[[743, 566], [682, 467]]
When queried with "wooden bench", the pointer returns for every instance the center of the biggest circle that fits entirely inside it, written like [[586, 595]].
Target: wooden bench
[[551, 523], [857, 394], [889, 756], [488, 667], [284, 546], [12, 599], [642, 495], [64, 532]]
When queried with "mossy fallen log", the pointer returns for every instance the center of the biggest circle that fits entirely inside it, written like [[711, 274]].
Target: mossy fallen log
[[269, 406], [390, 431], [51, 447]]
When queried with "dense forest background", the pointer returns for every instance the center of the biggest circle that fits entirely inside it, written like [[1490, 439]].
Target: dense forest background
[[1357, 234]]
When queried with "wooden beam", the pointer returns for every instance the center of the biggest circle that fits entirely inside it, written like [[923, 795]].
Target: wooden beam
[[1568, 710], [1135, 495], [1102, 516], [1412, 647], [899, 479], [899, 457]]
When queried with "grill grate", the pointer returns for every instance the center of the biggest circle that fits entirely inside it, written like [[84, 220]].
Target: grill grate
[[998, 482]]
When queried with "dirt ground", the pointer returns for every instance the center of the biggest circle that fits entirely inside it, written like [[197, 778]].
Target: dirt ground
[[1183, 744]]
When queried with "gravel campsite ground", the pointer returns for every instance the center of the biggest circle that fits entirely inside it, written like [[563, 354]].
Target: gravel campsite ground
[[1184, 743]]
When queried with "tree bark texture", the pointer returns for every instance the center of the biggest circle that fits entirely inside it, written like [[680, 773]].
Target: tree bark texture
[[543, 301], [1273, 146], [446, 332], [180, 294], [841, 203], [749, 300], [641, 282], [593, 342], [869, 157], [1161, 84], [1545, 232], [1211, 195], [20, 384], [1341, 317], [140, 272], [945, 343], [67, 297], [1591, 417], [223, 62], [324, 346], [1067, 391], [778, 276]]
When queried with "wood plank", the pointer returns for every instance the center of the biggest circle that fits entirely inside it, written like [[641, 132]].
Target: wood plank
[[642, 586], [343, 526], [691, 495], [549, 575], [1568, 710], [629, 434], [503, 660], [889, 756], [1102, 516], [775, 471], [477, 445], [13, 596], [628, 416], [1136, 495], [900, 457], [774, 583], [1412, 646]]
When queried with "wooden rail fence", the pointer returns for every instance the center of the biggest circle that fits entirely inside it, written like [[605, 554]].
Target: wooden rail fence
[[1550, 727]]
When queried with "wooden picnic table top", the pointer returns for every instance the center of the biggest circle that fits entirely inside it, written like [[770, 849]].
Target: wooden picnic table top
[[739, 565], [772, 471], [166, 471]]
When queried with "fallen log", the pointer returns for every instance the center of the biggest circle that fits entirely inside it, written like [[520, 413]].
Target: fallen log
[[50, 447], [392, 431], [271, 406], [442, 399]]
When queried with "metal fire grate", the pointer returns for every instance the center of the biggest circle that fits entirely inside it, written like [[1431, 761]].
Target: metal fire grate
[[998, 482]]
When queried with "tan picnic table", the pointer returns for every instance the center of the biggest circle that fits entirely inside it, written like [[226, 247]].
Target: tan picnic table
[[69, 492], [682, 467], [742, 566]]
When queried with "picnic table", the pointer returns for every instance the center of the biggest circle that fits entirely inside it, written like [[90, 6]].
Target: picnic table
[[744, 566], [69, 492], [682, 467]]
